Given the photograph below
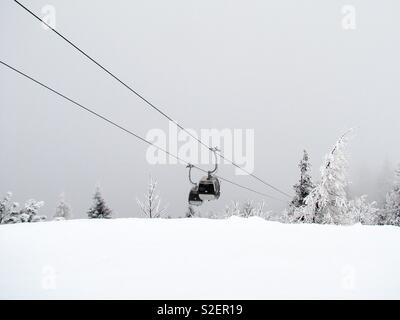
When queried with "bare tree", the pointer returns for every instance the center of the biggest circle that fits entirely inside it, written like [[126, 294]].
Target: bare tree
[[151, 205], [233, 209], [248, 209], [261, 212]]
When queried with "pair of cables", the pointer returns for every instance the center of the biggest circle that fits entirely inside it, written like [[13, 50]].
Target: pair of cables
[[147, 102]]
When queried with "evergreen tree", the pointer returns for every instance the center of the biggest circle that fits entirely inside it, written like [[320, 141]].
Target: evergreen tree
[[99, 209], [5, 207], [302, 189], [14, 214], [392, 206], [30, 212], [327, 202], [63, 210]]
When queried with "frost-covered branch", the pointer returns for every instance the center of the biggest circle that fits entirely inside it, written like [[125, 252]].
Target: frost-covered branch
[[12, 213], [151, 206]]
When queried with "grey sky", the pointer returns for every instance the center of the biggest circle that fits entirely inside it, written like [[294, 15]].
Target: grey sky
[[286, 69]]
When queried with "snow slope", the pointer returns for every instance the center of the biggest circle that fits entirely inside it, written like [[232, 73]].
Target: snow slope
[[197, 258]]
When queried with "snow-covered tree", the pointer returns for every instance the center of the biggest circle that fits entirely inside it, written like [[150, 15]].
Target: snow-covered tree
[[233, 209], [5, 207], [151, 206], [261, 212], [384, 182], [31, 209], [99, 209], [63, 210], [248, 209], [305, 185], [327, 202], [361, 211], [29, 213], [382, 217], [302, 189], [392, 206], [14, 214], [288, 216]]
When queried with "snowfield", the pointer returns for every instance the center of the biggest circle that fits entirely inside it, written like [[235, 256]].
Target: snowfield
[[234, 258]]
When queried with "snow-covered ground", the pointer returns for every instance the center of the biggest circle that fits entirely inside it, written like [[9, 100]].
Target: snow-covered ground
[[197, 258]]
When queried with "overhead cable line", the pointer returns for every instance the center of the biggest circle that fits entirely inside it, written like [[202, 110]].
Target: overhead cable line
[[127, 130], [147, 101]]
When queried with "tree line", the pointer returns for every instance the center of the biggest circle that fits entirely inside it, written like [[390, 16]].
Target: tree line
[[327, 201], [12, 212], [323, 202]]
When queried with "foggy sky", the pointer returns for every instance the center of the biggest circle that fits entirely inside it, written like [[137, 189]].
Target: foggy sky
[[286, 69]]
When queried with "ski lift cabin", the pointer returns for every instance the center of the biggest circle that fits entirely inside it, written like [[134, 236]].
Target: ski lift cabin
[[194, 198], [209, 188]]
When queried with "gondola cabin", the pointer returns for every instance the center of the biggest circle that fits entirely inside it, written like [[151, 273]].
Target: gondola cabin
[[194, 198], [209, 188]]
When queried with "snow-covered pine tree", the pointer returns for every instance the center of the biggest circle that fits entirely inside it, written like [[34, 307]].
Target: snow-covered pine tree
[[99, 209], [327, 203], [302, 189], [392, 206], [381, 218], [151, 205], [30, 211], [5, 207], [27, 214], [305, 184], [63, 210], [13, 214]]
